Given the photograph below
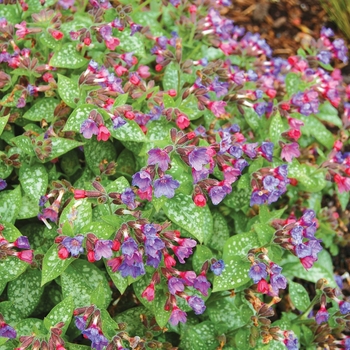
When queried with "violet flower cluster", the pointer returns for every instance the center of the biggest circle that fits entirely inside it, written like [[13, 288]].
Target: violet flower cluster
[[298, 236], [20, 248]]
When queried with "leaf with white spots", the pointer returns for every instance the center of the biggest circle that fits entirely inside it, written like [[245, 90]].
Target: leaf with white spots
[[25, 292], [237, 266], [77, 117], [299, 296], [313, 127], [322, 268], [182, 211], [130, 131], [329, 114], [10, 204], [85, 277], [53, 266], [43, 109], [3, 122], [79, 213], [60, 146], [100, 229], [120, 282], [62, 312], [29, 326], [68, 90], [9, 313], [226, 311], [67, 57], [309, 178], [220, 232], [29, 208], [200, 256], [97, 152], [276, 128], [265, 233], [77, 346], [24, 143], [200, 336], [170, 79], [109, 326], [34, 180], [133, 43], [162, 316]]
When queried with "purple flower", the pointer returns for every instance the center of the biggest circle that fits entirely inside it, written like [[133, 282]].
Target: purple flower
[[257, 272], [98, 340], [196, 304], [308, 217], [159, 157], [267, 150], [291, 341], [22, 242], [344, 307], [201, 283], [153, 244], [165, 186], [129, 247], [236, 151], [88, 128], [218, 193], [3, 184], [218, 267], [7, 331], [270, 183], [297, 234], [325, 57], [177, 316], [200, 175], [128, 198], [66, 4], [302, 250], [175, 285], [198, 157], [80, 322], [278, 281], [142, 179], [74, 245], [183, 252], [275, 269], [322, 315], [118, 122], [103, 249], [338, 279], [132, 265], [258, 197], [154, 261], [149, 229], [327, 32], [260, 108]]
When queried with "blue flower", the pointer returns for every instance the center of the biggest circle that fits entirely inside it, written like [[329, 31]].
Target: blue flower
[[217, 267]]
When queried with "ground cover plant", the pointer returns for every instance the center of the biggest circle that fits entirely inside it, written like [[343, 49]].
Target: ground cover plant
[[166, 182]]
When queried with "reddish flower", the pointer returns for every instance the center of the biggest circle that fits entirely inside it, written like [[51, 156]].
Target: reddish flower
[[182, 121], [199, 200], [103, 133], [79, 194], [63, 253], [26, 256], [342, 182], [56, 34], [148, 293]]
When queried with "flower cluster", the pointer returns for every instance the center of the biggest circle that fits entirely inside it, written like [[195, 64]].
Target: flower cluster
[[6, 331], [7, 248], [263, 270], [298, 236], [269, 184], [94, 125]]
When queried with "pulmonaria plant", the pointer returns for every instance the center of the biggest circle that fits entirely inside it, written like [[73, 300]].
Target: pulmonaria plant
[[159, 166]]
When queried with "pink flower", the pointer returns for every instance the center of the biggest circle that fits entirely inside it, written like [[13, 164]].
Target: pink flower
[[342, 182], [148, 293], [103, 133], [182, 121], [290, 151], [26, 256], [143, 72], [217, 107]]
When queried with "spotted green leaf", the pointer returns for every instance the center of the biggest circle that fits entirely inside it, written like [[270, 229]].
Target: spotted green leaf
[[237, 266], [276, 128], [24, 143], [25, 292], [29, 326], [265, 232], [61, 146], [29, 208], [120, 282], [10, 204], [309, 178], [299, 296], [129, 132], [62, 312], [67, 57], [3, 122], [85, 277], [182, 211], [68, 90], [200, 336], [77, 117], [96, 152], [53, 266], [78, 213], [100, 229], [43, 109], [133, 43], [33, 180], [329, 114], [220, 232], [200, 256], [313, 127]]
